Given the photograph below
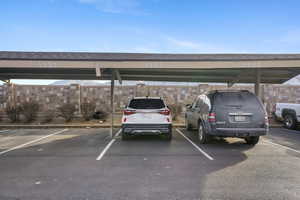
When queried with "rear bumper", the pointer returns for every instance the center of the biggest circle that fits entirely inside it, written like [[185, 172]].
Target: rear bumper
[[239, 132], [146, 129]]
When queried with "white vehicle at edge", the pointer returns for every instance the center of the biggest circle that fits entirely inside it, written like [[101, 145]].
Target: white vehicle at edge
[[289, 113], [146, 116]]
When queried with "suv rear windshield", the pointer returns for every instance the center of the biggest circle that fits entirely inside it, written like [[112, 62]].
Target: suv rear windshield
[[236, 99], [146, 104]]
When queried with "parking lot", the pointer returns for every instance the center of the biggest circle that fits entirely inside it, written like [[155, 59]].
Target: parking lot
[[88, 164]]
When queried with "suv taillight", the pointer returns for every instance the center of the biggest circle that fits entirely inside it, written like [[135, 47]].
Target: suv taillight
[[129, 112], [212, 117], [165, 112]]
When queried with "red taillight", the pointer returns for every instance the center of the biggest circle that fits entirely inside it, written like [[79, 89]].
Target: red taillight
[[129, 112], [212, 117], [165, 112]]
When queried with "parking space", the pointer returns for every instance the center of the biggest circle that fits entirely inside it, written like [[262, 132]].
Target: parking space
[[64, 164], [286, 138], [11, 139]]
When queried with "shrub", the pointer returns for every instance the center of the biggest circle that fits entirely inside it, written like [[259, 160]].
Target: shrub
[[29, 110], [13, 113], [176, 110], [87, 110], [49, 115], [100, 114], [67, 111]]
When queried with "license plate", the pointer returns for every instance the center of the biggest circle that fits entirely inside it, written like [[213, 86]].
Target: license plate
[[240, 118]]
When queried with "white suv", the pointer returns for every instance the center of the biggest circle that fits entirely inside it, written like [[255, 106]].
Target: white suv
[[146, 116]]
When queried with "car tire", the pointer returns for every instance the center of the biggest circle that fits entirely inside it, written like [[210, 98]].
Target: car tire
[[124, 136], [202, 134], [289, 121], [188, 126], [168, 136], [252, 140]]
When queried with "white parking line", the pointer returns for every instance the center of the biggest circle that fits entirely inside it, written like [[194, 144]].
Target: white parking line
[[108, 146], [3, 131], [196, 146], [282, 146], [33, 141]]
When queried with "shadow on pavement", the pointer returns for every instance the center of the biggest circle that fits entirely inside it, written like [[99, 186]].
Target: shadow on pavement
[[226, 153], [72, 162]]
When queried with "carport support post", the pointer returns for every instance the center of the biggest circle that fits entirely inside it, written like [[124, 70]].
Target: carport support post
[[112, 87], [257, 83]]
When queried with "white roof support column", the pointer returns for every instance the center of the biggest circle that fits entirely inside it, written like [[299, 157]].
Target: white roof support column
[[257, 82], [98, 72], [112, 87]]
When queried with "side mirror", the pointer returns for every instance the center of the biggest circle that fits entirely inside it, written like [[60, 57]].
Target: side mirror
[[188, 105]]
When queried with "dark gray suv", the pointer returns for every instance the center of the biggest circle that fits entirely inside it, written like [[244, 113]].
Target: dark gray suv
[[228, 113]]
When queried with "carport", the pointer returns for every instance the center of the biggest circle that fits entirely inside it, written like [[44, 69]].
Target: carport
[[217, 68]]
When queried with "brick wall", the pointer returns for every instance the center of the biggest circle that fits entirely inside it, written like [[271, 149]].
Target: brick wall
[[51, 97]]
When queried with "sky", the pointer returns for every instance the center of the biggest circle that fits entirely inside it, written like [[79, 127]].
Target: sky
[[150, 26]]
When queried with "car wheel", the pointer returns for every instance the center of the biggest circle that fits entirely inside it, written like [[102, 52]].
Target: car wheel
[[168, 136], [202, 135], [188, 126], [252, 140], [289, 121], [124, 136]]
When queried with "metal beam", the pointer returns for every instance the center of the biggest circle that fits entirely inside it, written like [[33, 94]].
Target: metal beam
[[257, 82], [117, 72], [98, 72], [237, 64], [249, 79], [239, 77], [275, 68], [112, 87], [276, 75], [230, 84], [235, 80], [182, 72]]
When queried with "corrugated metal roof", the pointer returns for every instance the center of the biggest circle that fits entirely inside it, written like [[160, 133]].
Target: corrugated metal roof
[[275, 68], [87, 56]]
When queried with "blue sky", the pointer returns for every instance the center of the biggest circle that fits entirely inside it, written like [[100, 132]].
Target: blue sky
[[158, 26]]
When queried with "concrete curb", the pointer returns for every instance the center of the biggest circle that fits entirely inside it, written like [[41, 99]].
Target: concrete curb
[[87, 126]]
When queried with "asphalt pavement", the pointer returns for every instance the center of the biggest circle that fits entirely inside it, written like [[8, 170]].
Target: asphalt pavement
[[86, 164]]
